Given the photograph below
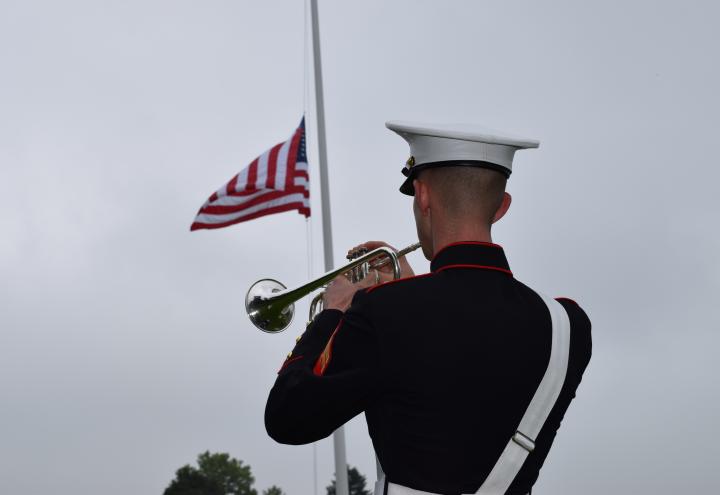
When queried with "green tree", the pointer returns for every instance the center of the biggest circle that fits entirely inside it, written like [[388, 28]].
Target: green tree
[[217, 474], [189, 481], [273, 490], [234, 478], [356, 483]]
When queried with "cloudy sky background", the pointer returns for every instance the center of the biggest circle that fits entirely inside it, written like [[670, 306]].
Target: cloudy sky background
[[124, 346]]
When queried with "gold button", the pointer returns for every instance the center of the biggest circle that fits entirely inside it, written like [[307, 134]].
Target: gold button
[[289, 354], [297, 339]]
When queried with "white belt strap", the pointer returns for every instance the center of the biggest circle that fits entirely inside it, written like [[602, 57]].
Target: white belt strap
[[522, 442], [380, 483]]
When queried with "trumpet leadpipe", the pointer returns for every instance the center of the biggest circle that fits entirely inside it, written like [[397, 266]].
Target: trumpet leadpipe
[[270, 305], [403, 252]]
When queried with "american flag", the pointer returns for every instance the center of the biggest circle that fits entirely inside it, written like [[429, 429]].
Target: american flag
[[275, 181]]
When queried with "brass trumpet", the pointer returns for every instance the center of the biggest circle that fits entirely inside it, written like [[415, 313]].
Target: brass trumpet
[[271, 306]]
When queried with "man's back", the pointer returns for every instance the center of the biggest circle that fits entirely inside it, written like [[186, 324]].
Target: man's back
[[444, 365]]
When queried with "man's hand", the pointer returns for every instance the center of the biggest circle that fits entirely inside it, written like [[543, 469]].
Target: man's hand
[[405, 269], [340, 292]]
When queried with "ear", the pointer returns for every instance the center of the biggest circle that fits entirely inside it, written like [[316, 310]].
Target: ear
[[504, 207], [422, 197]]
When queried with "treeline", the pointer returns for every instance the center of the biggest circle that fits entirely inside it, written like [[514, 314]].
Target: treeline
[[220, 474]]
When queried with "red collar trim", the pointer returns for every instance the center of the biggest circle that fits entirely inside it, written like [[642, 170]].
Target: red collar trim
[[481, 267], [468, 243]]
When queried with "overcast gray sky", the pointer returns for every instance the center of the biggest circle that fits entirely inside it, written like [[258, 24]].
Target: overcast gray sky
[[124, 347]]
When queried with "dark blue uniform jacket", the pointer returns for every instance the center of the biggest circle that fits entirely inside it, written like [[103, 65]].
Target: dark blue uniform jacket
[[443, 365]]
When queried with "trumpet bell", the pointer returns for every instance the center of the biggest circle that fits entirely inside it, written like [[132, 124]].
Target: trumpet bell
[[273, 316]]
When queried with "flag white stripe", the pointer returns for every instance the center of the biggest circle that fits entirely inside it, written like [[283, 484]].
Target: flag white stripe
[[281, 171], [262, 170], [301, 166], [242, 179], [290, 198]]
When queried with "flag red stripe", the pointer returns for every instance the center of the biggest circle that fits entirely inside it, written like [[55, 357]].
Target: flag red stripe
[[272, 166], [230, 186], [240, 194], [250, 193], [269, 211], [252, 176], [263, 198], [244, 193]]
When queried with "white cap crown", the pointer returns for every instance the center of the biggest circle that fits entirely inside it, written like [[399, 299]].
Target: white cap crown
[[437, 142], [452, 144]]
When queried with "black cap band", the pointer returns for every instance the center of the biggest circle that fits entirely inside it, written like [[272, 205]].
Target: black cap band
[[411, 173]]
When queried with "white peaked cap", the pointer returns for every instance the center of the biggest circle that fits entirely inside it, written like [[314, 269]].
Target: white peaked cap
[[435, 145]]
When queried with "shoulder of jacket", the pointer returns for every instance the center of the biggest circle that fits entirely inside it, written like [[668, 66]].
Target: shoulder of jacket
[[581, 329], [561, 299], [575, 312], [570, 304]]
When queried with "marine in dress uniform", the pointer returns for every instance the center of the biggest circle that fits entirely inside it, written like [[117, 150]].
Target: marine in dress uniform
[[445, 365]]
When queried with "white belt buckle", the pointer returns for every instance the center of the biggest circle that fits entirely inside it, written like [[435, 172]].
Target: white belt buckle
[[523, 441]]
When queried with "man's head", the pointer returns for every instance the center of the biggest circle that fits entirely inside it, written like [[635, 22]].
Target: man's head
[[458, 199], [461, 171]]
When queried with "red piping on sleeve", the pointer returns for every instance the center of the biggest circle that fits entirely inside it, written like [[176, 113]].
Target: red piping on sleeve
[[288, 361], [324, 359]]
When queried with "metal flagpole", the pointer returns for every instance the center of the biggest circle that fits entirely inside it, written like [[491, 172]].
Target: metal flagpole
[[341, 478]]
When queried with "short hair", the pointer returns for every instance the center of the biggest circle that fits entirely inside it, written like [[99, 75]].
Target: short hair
[[467, 192]]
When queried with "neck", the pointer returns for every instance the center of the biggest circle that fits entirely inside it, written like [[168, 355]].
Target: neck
[[459, 233]]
